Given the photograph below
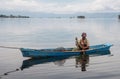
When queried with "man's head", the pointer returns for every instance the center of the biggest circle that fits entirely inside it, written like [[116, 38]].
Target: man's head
[[84, 35]]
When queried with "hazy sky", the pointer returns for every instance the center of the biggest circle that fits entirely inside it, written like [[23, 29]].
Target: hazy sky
[[60, 6]]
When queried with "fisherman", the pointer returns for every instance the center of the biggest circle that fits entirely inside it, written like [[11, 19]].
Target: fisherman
[[83, 43]]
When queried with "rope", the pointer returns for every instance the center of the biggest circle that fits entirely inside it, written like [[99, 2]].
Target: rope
[[9, 47]]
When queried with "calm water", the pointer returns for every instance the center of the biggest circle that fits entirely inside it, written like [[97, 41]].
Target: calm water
[[53, 33]]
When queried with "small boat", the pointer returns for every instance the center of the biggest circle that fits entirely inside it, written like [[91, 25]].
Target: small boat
[[93, 50]]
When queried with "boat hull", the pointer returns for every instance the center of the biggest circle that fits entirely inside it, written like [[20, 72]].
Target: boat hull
[[94, 50]]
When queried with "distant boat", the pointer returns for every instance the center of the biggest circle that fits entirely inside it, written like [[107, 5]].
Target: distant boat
[[34, 53], [82, 17]]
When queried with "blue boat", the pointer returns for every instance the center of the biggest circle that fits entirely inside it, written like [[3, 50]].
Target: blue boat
[[93, 50]]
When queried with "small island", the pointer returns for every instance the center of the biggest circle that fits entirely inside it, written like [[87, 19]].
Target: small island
[[81, 17], [13, 16]]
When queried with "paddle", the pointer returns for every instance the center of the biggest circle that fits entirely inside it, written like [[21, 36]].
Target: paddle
[[76, 41]]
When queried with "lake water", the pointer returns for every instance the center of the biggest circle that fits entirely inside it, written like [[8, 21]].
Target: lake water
[[53, 33]]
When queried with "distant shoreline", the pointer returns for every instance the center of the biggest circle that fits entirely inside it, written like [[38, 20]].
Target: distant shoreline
[[13, 16]]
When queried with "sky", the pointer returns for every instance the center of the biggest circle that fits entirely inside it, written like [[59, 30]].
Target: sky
[[60, 6]]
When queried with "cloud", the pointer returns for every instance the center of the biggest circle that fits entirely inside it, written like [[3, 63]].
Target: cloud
[[60, 6], [106, 5], [17, 4]]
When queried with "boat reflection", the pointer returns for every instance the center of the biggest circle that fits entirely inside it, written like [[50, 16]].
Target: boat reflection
[[31, 62], [82, 60], [60, 62]]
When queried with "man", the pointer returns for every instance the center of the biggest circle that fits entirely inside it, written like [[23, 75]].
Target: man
[[83, 43]]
